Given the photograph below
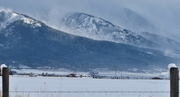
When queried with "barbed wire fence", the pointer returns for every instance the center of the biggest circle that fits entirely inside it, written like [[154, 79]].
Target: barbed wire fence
[[174, 87], [90, 92]]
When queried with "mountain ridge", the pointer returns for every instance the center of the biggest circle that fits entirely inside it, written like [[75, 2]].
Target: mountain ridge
[[82, 24], [92, 27]]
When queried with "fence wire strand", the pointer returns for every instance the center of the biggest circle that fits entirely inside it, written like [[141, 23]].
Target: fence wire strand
[[140, 92]]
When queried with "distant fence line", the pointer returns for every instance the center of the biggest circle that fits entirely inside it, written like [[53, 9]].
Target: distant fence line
[[90, 92]]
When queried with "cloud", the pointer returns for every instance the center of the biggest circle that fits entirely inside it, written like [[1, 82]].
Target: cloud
[[156, 16]]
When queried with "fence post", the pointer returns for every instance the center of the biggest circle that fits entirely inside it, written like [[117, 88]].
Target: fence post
[[5, 82], [174, 82]]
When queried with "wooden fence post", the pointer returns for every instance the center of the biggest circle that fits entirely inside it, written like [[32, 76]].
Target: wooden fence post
[[174, 82], [5, 82]]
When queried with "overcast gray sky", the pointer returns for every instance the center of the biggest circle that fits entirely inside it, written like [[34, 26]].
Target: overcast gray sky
[[156, 16]]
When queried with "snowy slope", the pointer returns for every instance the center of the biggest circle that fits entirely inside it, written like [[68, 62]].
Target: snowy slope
[[169, 46], [89, 26], [96, 28], [8, 17]]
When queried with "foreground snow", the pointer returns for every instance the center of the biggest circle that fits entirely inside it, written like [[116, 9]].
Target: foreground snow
[[30, 87]]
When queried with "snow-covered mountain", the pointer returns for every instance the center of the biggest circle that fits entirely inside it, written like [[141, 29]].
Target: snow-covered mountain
[[26, 41], [169, 46], [7, 18], [92, 27], [96, 28]]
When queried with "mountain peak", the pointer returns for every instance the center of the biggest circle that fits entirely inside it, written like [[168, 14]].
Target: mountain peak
[[8, 17], [93, 27], [87, 18]]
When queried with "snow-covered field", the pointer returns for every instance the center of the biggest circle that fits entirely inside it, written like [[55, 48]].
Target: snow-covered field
[[98, 72], [85, 87]]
